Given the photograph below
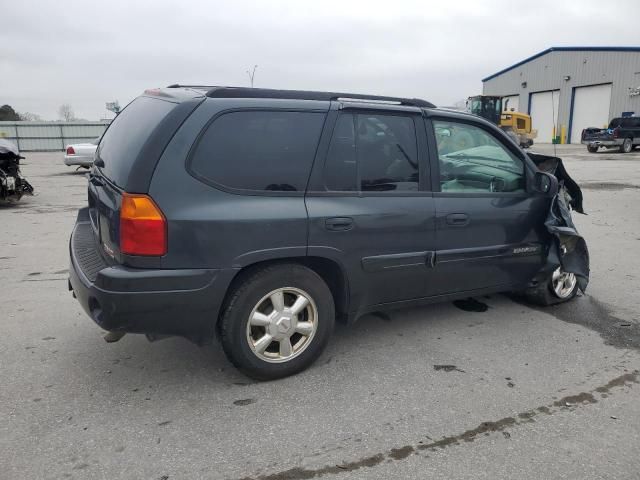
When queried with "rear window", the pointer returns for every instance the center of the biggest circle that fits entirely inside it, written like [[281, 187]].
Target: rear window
[[259, 150], [123, 140], [615, 123]]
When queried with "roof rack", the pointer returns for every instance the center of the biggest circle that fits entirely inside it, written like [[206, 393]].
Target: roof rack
[[246, 92], [202, 87]]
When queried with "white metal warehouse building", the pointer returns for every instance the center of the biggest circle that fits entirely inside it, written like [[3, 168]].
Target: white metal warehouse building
[[567, 89]]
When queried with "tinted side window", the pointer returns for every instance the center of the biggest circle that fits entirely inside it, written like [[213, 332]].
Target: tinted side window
[[631, 122], [387, 153], [373, 152], [473, 160], [340, 168], [123, 140], [259, 150]]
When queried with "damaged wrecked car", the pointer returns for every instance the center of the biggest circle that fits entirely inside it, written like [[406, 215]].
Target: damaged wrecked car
[[260, 217], [12, 184]]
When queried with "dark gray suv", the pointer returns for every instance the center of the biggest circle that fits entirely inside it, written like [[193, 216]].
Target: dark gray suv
[[261, 216]]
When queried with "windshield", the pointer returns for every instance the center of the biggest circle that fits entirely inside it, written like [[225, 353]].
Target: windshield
[[487, 107], [476, 107]]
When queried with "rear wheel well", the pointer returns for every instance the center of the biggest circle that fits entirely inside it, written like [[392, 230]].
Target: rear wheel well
[[329, 270], [335, 278]]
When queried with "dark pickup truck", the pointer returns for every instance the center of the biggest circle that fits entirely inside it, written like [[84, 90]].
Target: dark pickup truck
[[622, 133]]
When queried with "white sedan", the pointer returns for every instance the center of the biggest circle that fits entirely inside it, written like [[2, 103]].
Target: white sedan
[[81, 154]]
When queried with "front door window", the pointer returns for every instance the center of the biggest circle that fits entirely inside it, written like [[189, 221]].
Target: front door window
[[473, 160]]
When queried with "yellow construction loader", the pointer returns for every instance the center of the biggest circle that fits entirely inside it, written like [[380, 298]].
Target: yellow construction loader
[[517, 125]]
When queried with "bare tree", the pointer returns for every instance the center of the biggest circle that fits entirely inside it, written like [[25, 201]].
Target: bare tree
[[29, 117], [252, 74], [65, 112]]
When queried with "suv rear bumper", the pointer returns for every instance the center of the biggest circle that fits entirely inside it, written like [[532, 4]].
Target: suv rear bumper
[[604, 143], [161, 302]]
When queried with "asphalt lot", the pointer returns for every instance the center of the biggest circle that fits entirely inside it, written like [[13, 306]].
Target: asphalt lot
[[435, 392]]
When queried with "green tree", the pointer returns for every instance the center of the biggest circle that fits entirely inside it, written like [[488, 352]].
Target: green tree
[[8, 114]]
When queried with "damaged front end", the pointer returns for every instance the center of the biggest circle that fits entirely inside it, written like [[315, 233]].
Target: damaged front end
[[568, 250], [12, 184]]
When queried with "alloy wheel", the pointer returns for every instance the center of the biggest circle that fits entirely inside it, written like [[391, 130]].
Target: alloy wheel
[[282, 325], [563, 283]]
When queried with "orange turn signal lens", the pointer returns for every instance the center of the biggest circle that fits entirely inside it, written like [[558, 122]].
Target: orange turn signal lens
[[143, 227]]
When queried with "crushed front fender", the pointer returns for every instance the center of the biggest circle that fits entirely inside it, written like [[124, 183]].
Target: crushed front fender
[[568, 248]]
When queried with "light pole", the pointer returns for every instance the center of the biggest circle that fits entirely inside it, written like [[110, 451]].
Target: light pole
[[252, 74]]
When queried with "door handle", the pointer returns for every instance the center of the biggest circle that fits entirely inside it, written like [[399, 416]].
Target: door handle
[[457, 219], [338, 223]]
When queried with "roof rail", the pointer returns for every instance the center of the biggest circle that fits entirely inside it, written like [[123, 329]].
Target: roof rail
[[246, 92]]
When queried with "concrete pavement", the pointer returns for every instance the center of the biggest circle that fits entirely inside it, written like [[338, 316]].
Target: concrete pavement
[[434, 392]]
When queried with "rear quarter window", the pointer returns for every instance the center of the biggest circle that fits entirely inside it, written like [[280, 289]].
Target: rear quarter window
[[123, 140], [258, 150]]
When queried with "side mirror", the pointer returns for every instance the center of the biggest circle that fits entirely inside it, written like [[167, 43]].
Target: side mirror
[[545, 183]]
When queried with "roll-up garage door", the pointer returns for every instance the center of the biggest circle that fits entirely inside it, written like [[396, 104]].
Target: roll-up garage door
[[590, 109], [544, 114]]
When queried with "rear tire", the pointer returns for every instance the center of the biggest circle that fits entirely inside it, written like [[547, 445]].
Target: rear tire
[[592, 149], [627, 145], [559, 288], [277, 321]]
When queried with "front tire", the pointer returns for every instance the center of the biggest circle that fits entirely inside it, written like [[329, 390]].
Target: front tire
[[277, 321], [627, 145], [560, 288], [592, 149]]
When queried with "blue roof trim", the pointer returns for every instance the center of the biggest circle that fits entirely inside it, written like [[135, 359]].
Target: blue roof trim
[[563, 49]]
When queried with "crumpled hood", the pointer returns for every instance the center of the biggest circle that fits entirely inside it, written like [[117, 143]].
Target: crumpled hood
[[568, 249]]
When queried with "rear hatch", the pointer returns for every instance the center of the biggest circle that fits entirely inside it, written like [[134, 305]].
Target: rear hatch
[[116, 156]]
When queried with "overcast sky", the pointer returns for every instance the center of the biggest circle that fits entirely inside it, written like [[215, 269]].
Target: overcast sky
[[86, 53]]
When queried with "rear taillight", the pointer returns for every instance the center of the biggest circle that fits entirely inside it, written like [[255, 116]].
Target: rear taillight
[[70, 151], [583, 131], [616, 132], [143, 228]]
